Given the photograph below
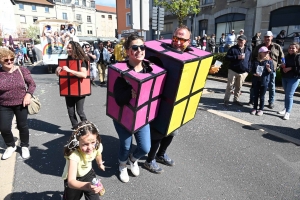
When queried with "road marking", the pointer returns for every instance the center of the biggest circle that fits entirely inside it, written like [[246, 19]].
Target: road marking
[[255, 126]]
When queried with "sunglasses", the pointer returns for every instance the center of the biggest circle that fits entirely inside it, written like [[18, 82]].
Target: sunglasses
[[11, 60], [136, 47], [181, 40]]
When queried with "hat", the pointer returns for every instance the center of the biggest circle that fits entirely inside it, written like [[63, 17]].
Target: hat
[[232, 30], [242, 37], [242, 30], [263, 49], [269, 33]]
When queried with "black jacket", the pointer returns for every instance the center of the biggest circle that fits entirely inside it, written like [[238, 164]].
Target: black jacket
[[236, 65], [264, 79], [292, 61]]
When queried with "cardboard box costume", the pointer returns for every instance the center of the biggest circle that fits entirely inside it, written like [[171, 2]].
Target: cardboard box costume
[[70, 85], [187, 73], [142, 109]]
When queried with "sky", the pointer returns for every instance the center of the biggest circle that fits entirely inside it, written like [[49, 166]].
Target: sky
[[111, 3]]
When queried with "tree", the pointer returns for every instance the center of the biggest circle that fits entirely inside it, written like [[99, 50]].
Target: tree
[[180, 8], [32, 32]]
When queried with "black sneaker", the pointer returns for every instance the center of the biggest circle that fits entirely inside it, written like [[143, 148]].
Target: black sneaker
[[153, 167], [271, 105], [165, 160]]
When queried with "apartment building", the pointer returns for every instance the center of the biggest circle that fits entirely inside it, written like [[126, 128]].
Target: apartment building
[[6, 16], [106, 21]]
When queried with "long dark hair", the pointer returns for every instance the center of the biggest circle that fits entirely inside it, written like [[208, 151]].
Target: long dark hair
[[77, 52], [131, 38], [82, 129]]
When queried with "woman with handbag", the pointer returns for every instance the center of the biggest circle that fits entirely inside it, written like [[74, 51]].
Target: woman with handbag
[[75, 52], [290, 78], [14, 99]]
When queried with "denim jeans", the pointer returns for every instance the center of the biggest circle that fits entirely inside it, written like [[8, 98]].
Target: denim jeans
[[142, 138], [259, 93], [272, 87], [6, 116], [289, 85], [78, 103], [221, 49]]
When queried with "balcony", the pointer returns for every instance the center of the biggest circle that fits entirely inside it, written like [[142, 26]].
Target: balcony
[[63, 1]]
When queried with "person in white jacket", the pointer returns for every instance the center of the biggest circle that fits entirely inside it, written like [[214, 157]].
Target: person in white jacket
[[102, 62]]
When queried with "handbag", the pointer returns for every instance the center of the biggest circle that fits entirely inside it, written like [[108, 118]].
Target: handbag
[[35, 105]]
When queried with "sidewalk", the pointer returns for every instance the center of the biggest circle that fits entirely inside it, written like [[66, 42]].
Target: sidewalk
[[270, 122]]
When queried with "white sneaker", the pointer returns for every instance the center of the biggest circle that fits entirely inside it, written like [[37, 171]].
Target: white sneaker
[[281, 112], [123, 174], [25, 152], [134, 167], [8, 152], [286, 116]]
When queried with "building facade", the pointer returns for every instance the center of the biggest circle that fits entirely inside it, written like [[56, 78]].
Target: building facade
[[106, 21], [7, 12]]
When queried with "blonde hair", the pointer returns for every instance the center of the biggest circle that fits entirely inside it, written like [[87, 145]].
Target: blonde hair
[[5, 53], [261, 58]]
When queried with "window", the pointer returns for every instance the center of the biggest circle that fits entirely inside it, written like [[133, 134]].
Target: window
[[90, 32], [22, 19], [64, 16], [76, 2], [127, 3], [21, 6], [93, 5], [102, 16], [205, 2], [109, 17], [89, 19], [35, 19], [128, 19], [84, 2], [168, 27], [47, 9], [33, 7], [78, 17], [23, 31], [79, 28]]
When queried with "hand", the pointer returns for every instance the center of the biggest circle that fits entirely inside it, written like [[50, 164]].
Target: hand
[[256, 74], [101, 166], [58, 70], [27, 99], [268, 66], [286, 69], [214, 69], [133, 94], [66, 68], [96, 189]]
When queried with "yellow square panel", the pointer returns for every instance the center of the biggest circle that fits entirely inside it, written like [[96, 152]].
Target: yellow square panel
[[177, 116], [202, 73], [187, 78], [192, 107]]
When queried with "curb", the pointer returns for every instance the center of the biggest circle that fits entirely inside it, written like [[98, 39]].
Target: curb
[[247, 84]]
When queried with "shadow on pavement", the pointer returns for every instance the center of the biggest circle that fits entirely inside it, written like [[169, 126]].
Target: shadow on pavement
[[47, 195], [43, 126]]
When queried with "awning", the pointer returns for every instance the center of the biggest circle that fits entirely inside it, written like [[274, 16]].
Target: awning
[[104, 39], [87, 38]]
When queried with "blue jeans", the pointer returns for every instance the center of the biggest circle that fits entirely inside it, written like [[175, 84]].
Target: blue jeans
[[272, 87], [289, 85], [221, 49], [142, 138], [259, 93]]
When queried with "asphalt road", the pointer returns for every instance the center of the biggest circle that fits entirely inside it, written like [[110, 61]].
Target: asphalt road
[[216, 158]]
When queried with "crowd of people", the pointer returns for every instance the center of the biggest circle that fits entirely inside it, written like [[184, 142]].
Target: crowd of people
[[85, 142]]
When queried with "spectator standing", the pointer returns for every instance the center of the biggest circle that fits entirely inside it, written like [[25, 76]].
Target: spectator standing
[[31, 54], [24, 50], [239, 56], [280, 38], [212, 43], [230, 39], [290, 78], [276, 56], [203, 42], [296, 38], [93, 61], [119, 51], [256, 40], [222, 43], [102, 62], [198, 42]]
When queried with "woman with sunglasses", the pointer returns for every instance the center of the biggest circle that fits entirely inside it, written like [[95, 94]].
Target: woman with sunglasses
[[123, 93], [14, 99], [75, 52]]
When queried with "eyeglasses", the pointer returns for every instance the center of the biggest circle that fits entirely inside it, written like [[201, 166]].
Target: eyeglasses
[[11, 60], [136, 47], [181, 40]]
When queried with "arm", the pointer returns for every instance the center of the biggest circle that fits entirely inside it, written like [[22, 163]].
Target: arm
[[100, 162], [92, 56], [28, 80], [81, 74], [230, 56]]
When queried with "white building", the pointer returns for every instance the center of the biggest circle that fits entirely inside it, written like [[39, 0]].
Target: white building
[[6, 17], [106, 21]]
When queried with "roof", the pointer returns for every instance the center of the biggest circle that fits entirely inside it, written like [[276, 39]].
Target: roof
[[42, 2], [106, 9]]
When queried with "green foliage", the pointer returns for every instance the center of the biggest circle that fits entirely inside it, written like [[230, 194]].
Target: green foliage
[[32, 32], [1, 39], [180, 8]]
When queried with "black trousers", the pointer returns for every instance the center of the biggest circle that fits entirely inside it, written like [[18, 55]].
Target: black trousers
[[6, 116], [72, 104], [31, 60], [74, 194]]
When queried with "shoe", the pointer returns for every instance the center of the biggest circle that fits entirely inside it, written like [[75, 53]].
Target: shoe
[[25, 152], [8, 152], [281, 112], [271, 105], [123, 174], [153, 167], [253, 112], [93, 83], [260, 113], [165, 160], [226, 103], [238, 103], [286, 116], [134, 167]]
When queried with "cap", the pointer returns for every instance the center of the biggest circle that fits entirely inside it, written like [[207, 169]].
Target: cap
[[232, 30], [263, 49], [269, 33], [242, 30], [242, 37]]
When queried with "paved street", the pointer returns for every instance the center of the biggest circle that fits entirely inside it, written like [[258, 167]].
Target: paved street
[[219, 155]]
